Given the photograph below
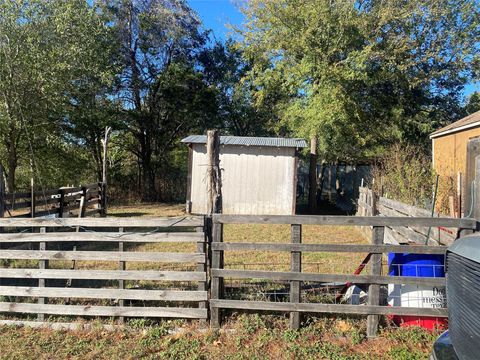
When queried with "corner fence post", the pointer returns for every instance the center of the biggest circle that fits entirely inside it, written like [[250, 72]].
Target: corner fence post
[[374, 290], [295, 266], [217, 287]]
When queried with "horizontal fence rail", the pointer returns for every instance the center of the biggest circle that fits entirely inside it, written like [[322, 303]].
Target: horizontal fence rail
[[463, 223], [327, 308], [105, 222], [81, 310], [134, 237], [327, 248], [52, 271], [296, 277], [104, 274], [325, 278]]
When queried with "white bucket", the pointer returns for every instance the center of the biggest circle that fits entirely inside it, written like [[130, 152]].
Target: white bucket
[[417, 296]]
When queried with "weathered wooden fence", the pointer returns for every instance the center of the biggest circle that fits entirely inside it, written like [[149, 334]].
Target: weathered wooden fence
[[94, 266], [112, 267], [370, 204], [86, 200], [373, 310]]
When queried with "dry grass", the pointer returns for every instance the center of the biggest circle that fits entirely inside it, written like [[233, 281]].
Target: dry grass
[[312, 262], [280, 261], [147, 209]]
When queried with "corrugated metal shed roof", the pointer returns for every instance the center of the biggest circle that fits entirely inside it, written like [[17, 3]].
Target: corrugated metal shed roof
[[467, 122], [249, 141]]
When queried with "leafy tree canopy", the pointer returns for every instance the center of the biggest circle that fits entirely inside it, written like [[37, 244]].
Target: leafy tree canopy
[[361, 74]]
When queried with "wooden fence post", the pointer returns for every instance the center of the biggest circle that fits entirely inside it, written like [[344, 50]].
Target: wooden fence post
[[374, 290], [42, 265], [373, 204], [33, 200], [103, 199], [2, 193], [217, 285], [61, 207], [83, 206], [121, 283], [214, 206], [214, 175], [2, 200], [295, 286], [202, 266]]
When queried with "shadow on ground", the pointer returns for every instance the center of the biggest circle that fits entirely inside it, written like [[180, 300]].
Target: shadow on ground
[[128, 214], [324, 208]]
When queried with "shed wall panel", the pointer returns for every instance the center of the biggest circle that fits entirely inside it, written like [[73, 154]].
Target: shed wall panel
[[255, 180]]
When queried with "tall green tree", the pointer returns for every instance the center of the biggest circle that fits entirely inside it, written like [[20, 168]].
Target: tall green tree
[[225, 70], [361, 74], [45, 48], [157, 85], [473, 103]]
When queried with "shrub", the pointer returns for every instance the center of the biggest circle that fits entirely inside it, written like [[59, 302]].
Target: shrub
[[405, 174]]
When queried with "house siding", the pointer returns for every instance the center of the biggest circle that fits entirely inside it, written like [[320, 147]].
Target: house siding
[[450, 152], [256, 180]]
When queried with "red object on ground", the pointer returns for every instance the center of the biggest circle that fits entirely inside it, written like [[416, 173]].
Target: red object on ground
[[425, 322]]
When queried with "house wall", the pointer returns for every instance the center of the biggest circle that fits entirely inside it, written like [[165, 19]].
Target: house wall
[[255, 180], [450, 152], [449, 158]]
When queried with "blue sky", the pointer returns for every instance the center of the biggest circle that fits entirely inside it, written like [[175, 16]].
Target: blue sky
[[217, 14]]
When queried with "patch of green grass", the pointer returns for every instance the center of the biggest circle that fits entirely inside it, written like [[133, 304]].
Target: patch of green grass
[[247, 337]]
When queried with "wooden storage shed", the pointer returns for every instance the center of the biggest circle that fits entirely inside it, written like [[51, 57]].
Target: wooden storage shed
[[259, 174], [449, 145]]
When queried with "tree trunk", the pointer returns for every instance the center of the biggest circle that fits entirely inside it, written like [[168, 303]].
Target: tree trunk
[[148, 180], [12, 168], [320, 182], [312, 191]]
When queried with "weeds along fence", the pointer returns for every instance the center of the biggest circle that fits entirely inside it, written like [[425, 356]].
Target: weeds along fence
[[103, 267], [375, 307], [86, 200], [370, 204]]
